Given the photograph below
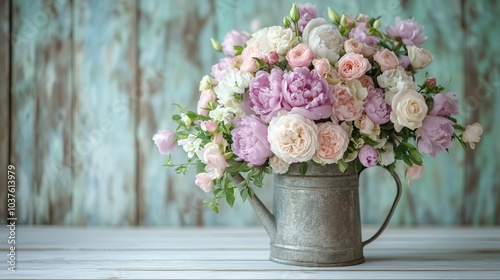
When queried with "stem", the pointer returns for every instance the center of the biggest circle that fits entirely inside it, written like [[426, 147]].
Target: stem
[[296, 24]]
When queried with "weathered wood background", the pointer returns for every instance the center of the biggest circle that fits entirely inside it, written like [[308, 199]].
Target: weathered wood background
[[85, 84]]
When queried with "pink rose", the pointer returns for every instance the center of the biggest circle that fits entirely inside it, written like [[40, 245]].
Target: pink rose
[[165, 140], [249, 64], [345, 106], [353, 66], [366, 81], [322, 67], [215, 161], [333, 142], [204, 181], [353, 46], [206, 97], [301, 55], [209, 126], [414, 172], [386, 59]]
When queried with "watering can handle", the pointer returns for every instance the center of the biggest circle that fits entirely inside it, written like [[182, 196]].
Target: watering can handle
[[389, 215]]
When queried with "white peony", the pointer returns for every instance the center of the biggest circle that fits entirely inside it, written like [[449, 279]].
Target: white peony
[[293, 137], [419, 57], [278, 165], [322, 39], [232, 82], [274, 38], [394, 81], [408, 109]]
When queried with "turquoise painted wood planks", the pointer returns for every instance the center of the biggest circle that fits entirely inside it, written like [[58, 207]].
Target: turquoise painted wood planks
[[4, 101]]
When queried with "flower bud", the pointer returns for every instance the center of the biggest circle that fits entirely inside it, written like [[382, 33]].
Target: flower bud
[[286, 22], [216, 45], [294, 13], [333, 16], [343, 20], [430, 82], [187, 120], [376, 24]]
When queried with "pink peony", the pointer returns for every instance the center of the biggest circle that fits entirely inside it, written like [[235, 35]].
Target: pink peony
[[265, 93], [165, 140], [300, 55], [360, 33], [353, 66], [445, 104], [408, 30], [368, 156], [204, 181], [206, 97], [231, 39], [250, 141], [306, 93], [307, 13], [435, 135], [345, 106], [376, 109]]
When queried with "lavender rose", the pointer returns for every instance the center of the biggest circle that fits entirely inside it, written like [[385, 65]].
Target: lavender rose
[[409, 31], [368, 156], [265, 93], [434, 136], [376, 109], [231, 39], [306, 93], [250, 141], [445, 104]]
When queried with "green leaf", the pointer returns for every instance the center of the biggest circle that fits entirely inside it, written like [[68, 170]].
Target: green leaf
[[303, 169], [342, 165], [213, 204], [238, 49], [244, 194], [369, 141], [176, 117], [358, 166], [416, 157], [230, 195], [251, 193], [407, 160], [282, 64]]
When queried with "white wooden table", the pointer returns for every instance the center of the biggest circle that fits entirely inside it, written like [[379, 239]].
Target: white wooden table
[[241, 253]]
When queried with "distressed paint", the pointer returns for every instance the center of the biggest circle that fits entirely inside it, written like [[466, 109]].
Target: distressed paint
[[4, 102], [114, 88], [103, 155]]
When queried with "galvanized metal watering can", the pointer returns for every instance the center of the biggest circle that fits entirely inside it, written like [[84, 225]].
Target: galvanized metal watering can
[[316, 218]]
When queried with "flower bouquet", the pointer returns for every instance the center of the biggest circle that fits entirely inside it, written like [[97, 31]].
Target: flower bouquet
[[313, 92]]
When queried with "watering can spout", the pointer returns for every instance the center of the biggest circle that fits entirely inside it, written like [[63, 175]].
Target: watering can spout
[[261, 210]]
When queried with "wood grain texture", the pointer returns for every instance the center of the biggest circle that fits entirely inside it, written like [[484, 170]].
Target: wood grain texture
[[103, 153], [223, 253], [482, 87], [4, 101]]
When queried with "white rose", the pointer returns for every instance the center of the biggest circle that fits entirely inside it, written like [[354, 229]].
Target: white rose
[[386, 155], [322, 39], [419, 57], [472, 134], [278, 165], [367, 127], [232, 82], [274, 38], [408, 109], [293, 137], [394, 81], [206, 83]]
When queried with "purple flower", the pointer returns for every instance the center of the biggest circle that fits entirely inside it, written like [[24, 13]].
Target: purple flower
[[231, 39], [368, 156], [307, 94], [307, 12], [221, 67], [360, 33], [265, 93], [445, 104], [250, 141], [434, 136], [376, 109], [409, 31]]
